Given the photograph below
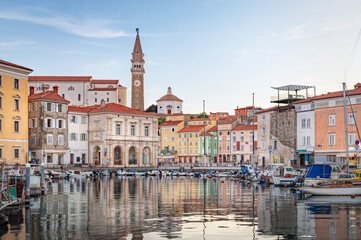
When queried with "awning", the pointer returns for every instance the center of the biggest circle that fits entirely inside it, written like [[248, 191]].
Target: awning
[[305, 152], [351, 154]]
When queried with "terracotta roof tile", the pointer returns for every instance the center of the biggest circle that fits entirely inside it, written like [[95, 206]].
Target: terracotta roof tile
[[169, 97], [266, 110], [244, 127], [207, 135], [14, 65], [192, 128], [176, 114], [213, 129], [100, 81], [200, 119], [61, 78], [47, 95], [171, 123], [102, 89], [113, 107], [84, 109]]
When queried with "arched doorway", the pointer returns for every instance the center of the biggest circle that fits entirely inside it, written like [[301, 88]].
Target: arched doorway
[[234, 158], [96, 155], [220, 158], [224, 159], [132, 156], [118, 156], [228, 158], [146, 156]]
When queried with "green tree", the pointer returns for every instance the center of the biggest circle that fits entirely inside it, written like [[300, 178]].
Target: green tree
[[152, 108], [203, 114]]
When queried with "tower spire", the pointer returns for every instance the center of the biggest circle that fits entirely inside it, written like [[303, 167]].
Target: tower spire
[[137, 71]]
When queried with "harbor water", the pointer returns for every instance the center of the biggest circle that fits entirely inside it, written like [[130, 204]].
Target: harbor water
[[180, 207]]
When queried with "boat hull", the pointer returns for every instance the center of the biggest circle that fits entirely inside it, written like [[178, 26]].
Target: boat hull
[[332, 191]]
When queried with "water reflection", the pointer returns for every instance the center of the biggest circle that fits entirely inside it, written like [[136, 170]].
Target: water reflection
[[187, 208]]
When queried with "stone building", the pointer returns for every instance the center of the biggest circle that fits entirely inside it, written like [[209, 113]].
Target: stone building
[[48, 128], [122, 136]]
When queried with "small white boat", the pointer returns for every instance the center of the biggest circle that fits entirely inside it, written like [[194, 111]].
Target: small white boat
[[55, 175], [153, 173], [279, 174], [336, 189], [76, 174], [121, 172]]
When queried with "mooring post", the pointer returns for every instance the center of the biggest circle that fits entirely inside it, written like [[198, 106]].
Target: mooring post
[[42, 183], [27, 186]]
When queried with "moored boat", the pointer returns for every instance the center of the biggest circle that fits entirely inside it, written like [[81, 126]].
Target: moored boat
[[334, 188]]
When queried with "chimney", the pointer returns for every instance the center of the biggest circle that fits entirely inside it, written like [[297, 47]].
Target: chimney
[[31, 90], [45, 87], [102, 103], [56, 89]]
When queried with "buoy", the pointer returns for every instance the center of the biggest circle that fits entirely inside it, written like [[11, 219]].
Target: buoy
[[231, 179], [241, 181], [90, 178], [163, 176], [285, 185], [135, 176], [248, 182], [222, 181], [353, 196]]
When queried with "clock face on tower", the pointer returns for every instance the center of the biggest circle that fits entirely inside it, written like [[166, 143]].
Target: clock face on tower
[[137, 83]]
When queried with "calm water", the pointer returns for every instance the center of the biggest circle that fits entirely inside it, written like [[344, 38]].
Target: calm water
[[152, 208]]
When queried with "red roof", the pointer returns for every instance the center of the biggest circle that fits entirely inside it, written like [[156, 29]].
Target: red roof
[[207, 135], [102, 89], [192, 128], [113, 107], [355, 91], [244, 127], [61, 78], [266, 110], [176, 114], [48, 95], [99, 81], [14, 65], [213, 129], [227, 120], [84, 109], [171, 123]]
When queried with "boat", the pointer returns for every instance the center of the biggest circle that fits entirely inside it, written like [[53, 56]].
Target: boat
[[153, 173], [279, 174], [120, 172], [334, 188], [55, 175], [76, 174], [322, 173]]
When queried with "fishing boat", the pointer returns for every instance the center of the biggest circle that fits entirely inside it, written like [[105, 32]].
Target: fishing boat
[[279, 174], [322, 173]]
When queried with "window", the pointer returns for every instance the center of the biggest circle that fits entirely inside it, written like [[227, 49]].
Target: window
[[351, 138], [251, 147], [308, 140], [1, 102], [1, 83], [49, 140], [242, 148], [275, 145], [16, 104], [16, 153], [234, 147], [83, 137], [96, 100], [191, 135], [172, 139], [185, 135], [308, 123], [173, 129], [132, 130], [351, 118], [60, 123], [234, 139], [179, 135], [304, 141], [331, 139], [228, 147], [16, 126], [242, 138], [71, 88], [33, 123], [32, 140], [16, 83], [196, 143], [185, 143], [59, 108], [185, 151], [180, 143], [165, 130], [196, 150], [48, 123], [107, 99], [146, 132], [63, 95], [331, 158], [196, 134], [263, 145], [303, 123], [83, 119], [228, 140], [73, 136], [263, 131], [117, 129], [1, 124], [73, 119], [48, 107], [33, 107], [60, 139], [190, 143], [190, 151], [331, 120], [332, 103], [79, 97]]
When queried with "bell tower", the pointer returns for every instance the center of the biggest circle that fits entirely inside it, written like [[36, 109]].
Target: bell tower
[[137, 71]]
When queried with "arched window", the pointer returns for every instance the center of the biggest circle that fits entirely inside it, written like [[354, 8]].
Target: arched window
[[71, 88]]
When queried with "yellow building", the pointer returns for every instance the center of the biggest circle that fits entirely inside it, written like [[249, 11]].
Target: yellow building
[[188, 144], [13, 113], [169, 137], [200, 121]]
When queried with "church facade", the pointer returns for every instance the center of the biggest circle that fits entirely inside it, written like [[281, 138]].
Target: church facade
[[169, 103]]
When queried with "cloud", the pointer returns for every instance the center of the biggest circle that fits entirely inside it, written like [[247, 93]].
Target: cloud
[[92, 28], [300, 31], [15, 43]]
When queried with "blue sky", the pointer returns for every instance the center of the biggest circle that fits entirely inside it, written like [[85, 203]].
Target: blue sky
[[217, 50]]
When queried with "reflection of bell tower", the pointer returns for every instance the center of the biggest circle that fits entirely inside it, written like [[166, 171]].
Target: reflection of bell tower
[[137, 71]]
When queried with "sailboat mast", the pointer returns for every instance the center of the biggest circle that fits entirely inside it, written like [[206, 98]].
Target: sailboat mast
[[345, 118]]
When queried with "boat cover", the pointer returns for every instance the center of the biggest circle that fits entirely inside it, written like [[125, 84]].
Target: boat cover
[[319, 171]]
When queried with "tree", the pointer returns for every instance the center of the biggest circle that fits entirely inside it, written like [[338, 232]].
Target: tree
[[203, 114], [152, 108]]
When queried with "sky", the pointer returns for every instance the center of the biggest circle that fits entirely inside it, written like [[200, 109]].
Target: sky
[[220, 51]]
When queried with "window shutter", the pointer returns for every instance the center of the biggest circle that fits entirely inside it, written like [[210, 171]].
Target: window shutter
[[64, 108], [53, 107], [29, 126], [44, 106], [64, 124], [36, 123], [56, 123]]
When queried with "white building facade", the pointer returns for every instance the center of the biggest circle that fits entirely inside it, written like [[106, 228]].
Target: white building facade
[[169, 103], [78, 135]]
